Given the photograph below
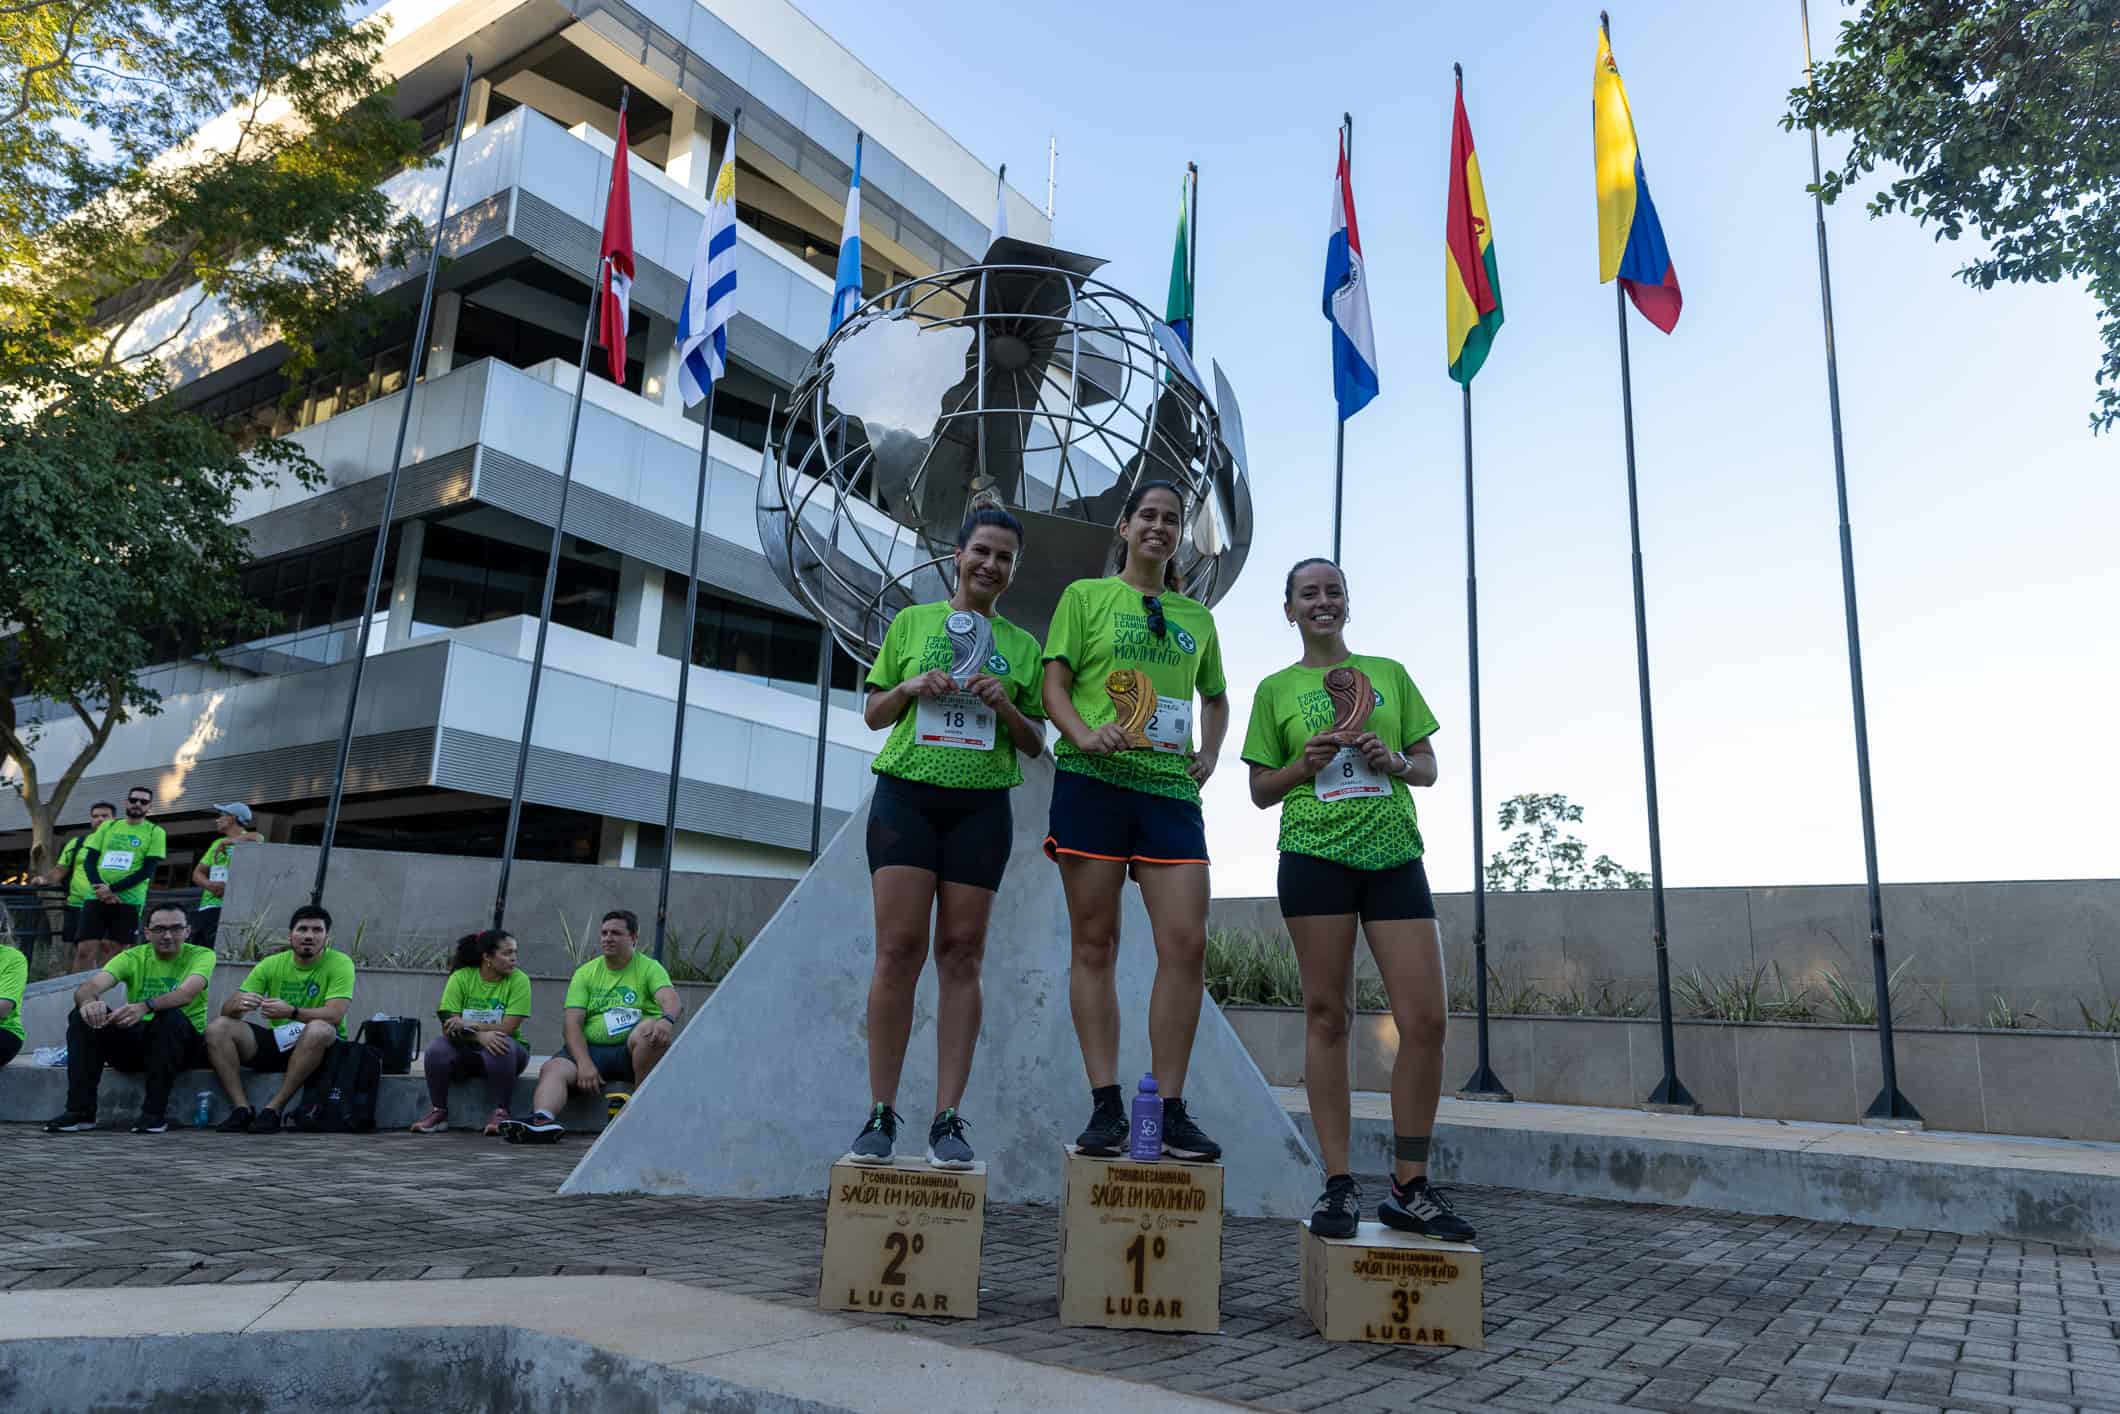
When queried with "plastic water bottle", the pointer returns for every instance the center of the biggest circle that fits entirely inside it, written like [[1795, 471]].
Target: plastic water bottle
[[202, 1111], [1145, 1141]]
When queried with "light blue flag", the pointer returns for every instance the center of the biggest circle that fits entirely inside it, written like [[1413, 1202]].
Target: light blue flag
[[846, 285]]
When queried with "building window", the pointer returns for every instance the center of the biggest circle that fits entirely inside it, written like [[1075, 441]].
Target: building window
[[467, 578], [736, 637], [321, 585]]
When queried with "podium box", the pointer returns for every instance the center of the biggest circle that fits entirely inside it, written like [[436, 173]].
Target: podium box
[[1140, 1244], [1393, 1288], [903, 1238]]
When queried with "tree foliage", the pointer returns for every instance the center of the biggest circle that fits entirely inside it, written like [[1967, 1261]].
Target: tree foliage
[[1540, 856], [174, 176], [1995, 117]]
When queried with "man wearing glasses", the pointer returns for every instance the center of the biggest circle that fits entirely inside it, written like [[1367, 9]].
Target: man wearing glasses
[[160, 1030], [120, 858]]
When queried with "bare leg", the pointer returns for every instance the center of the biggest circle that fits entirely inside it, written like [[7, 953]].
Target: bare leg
[[1409, 956], [1092, 887], [229, 1047], [554, 1078], [86, 953], [317, 1038], [647, 1052], [904, 898], [1176, 895], [1325, 955], [960, 952]]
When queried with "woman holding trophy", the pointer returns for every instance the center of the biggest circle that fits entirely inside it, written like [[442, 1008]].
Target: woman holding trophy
[[1124, 659], [1335, 740], [957, 685]]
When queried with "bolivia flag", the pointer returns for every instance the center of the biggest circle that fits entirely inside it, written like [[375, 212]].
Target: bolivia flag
[[1630, 240], [1472, 285]]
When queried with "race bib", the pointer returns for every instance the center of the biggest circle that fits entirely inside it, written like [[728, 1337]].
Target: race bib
[[955, 719], [483, 1016], [619, 1020], [1171, 728], [118, 861], [286, 1034], [1348, 777], [217, 874]]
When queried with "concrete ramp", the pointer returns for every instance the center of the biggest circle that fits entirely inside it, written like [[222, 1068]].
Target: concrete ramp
[[769, 1084]]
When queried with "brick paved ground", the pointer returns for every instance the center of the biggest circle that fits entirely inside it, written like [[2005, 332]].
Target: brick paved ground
[[1590, 1305]]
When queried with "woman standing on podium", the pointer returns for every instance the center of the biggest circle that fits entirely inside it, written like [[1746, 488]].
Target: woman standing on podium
[[1131, 803], [1336, 738], [939, 825]]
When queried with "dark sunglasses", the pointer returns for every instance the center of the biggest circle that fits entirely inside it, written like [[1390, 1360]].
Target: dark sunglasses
[[141, 800], [1153, 604]]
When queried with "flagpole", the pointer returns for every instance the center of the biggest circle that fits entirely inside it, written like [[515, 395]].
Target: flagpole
[[413, 366], [1890, 1106], [1339, 431], [1483, 1084], [1192, 258], [544, 613]]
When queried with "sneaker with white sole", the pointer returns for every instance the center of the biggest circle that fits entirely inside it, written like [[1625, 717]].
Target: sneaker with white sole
[[947, 1147], [70, 1123], [540, 1128], [1418, 1208], [877, 1142], [432, 1122]]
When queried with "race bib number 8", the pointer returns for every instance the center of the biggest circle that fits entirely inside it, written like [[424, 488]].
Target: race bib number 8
[[620, 1019], [1171, 728], [118, 861], [1348, 777], [955, 719]]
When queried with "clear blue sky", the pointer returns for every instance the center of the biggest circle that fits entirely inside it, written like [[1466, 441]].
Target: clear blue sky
[[1984, 511]]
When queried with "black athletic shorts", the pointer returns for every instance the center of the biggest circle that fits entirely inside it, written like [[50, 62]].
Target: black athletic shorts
[[118, 922], [1310, 886], [70, 923], [1094, 819], [959, 836], [270, 1059], [612, 1062]]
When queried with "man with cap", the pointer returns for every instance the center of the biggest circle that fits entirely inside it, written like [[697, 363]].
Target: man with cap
[[232, 824]]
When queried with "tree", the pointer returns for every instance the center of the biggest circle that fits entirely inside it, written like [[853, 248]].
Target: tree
[[158, 157], [1539, 856], [2001, 117]]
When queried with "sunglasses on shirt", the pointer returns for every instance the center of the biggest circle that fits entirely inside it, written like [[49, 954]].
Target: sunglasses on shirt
[[1153, 606]]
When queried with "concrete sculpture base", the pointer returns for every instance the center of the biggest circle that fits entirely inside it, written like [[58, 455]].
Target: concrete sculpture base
[[767, 1087]]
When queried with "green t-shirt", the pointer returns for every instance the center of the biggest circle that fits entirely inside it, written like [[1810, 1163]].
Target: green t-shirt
[[146, 976], [467, 991], [1100, 625], [78, 890], [599, 991], [307, 988], [1362, 832], [14, 976], [125, 846], [917, 643], [216, 855]]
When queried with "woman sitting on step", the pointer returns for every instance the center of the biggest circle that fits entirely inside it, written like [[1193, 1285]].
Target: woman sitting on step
[[484, 1004]]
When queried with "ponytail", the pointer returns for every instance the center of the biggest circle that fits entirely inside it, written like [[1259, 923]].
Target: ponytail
[[474, 948], [1115, 558]]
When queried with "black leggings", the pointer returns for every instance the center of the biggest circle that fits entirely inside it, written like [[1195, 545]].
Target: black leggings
[[959, 836]]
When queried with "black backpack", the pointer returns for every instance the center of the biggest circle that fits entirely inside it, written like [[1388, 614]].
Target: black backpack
[[340, 1098]]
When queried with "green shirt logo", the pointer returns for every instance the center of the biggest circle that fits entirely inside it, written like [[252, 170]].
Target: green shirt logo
[[1185, 640], [997, 666]]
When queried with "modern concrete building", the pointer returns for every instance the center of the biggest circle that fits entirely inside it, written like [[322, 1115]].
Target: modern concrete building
[[434, 751]]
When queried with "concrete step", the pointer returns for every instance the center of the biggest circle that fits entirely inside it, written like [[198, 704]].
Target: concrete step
[[2062, 1191], [33, 1094]]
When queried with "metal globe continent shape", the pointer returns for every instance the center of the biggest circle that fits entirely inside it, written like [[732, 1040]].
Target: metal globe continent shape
[[1023, 383]]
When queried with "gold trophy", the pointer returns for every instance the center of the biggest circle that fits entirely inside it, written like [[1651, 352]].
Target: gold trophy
[[1134, 696], [1353, 699]]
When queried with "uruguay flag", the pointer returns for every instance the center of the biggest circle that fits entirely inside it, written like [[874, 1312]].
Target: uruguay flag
[[710, 293], [846, 285], [1354, 349]]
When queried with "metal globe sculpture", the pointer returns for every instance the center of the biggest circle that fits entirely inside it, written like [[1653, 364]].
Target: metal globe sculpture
[[1022, 382]]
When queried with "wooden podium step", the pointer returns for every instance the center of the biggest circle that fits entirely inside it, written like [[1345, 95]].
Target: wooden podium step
[[903, 1238], [1392, 1287], [1140, 1244]]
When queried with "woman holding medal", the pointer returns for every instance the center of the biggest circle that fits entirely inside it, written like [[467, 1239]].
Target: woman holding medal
[[1335, 740], [957, 685], [1123, 661]]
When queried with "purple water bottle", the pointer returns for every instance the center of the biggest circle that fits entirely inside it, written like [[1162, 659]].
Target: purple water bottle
[[1145, 1143]]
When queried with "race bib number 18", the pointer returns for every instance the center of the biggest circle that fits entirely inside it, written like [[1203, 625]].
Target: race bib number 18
[[955, 719], [1348, 777], [1171, 728]]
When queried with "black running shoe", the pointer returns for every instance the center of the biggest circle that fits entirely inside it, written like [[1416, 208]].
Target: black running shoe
[[70, 1123], [1106, 1136], [1339, 1210], [878, 1138], [1182, 1139], [151, 1124], [267, 1121], [947, 1147], [540, 1128], [1416, 1207], [238, 1121]]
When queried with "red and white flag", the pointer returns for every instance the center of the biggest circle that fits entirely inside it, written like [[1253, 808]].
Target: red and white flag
[[616, 260]]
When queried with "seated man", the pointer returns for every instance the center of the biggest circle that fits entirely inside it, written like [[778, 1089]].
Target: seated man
[[621, 1016], [158, 1032], [14, 976], [291, 1010]]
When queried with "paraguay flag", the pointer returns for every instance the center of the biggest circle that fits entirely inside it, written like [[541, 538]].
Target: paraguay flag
[[616, 260], [710, 294], [1630, 240], [846, 285], [1354, 349], [1472, 283]]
